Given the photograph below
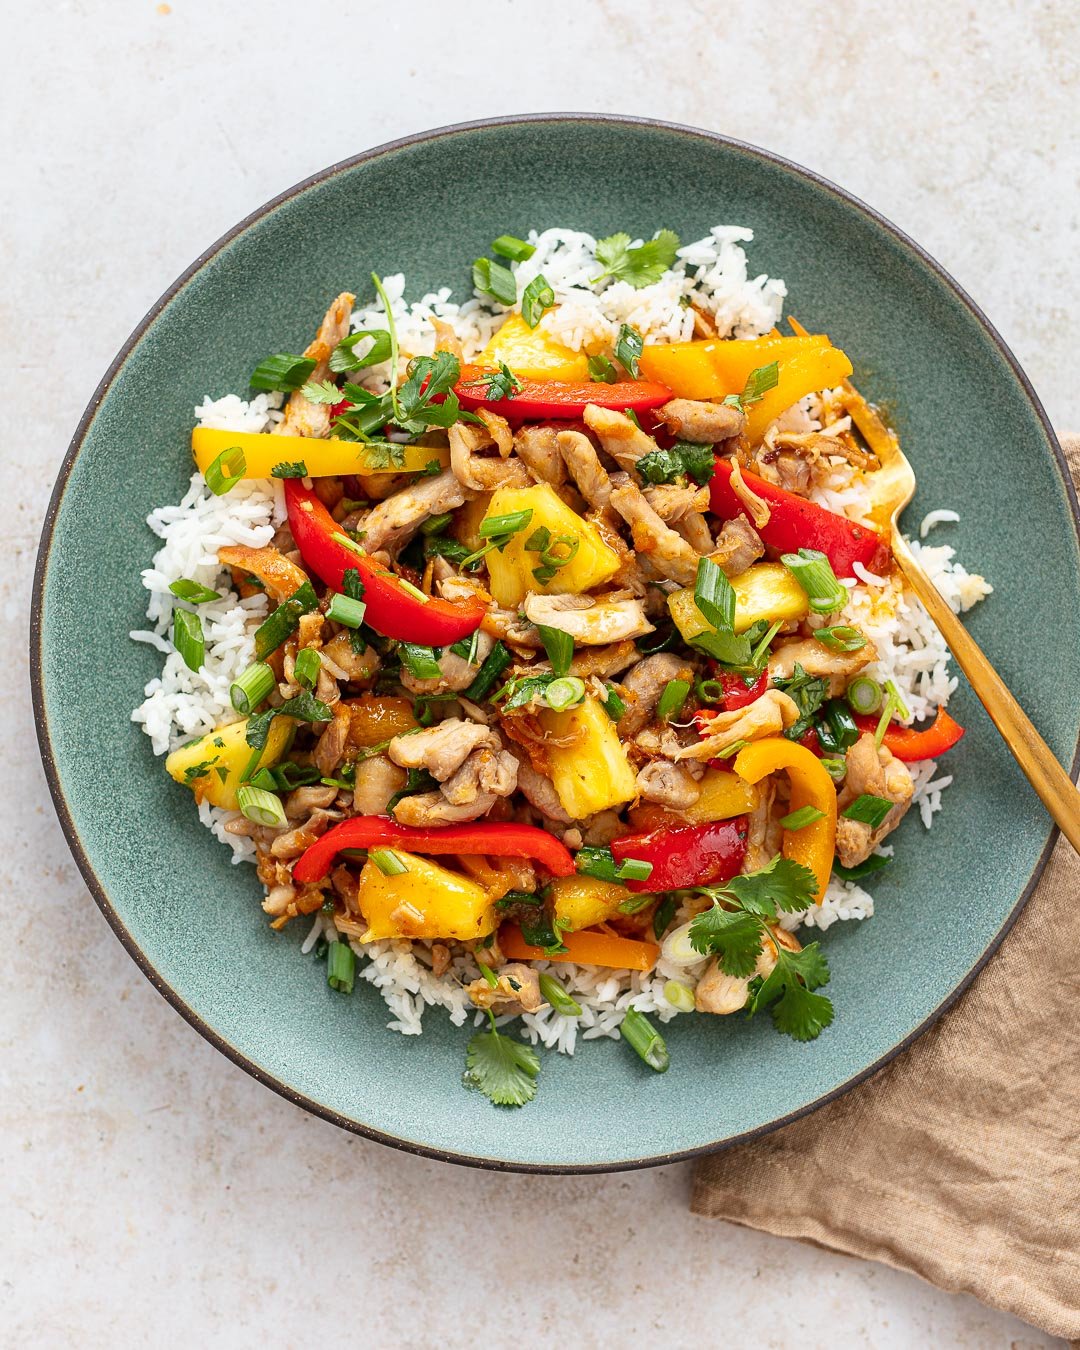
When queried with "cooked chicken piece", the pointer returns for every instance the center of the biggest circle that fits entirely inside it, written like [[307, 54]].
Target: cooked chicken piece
[[443, 748], [291, 843], [540, 792], [499, 431], [766, 716], [757, 508], [375, 782], [457, 673], [511, 628], [309, 632], [877, 773], [326, 687], [695, 531], [738, 545], [440, 959], [517, 991], [604, 661], [301, 801], [446, 339], [278, 899], [477, 473], [538, 448], [658, 742], [666, 550], [644, 684], [432, 808], [764, 834], [345, 664], [279, 576], [484, 772], [593, 623], [603, 828], [720, 993], [303, 418], [332, 742], [817, 659], [788, 470], [580, 457], [392, 523], [705, 423], [623, 440], [672, 503], [634, 574], [668, 784]]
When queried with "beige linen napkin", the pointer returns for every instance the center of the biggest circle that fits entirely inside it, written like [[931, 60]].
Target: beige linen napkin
[[960, 1160]]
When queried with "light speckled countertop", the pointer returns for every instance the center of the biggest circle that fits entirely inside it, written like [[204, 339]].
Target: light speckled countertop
[[152, 1193]]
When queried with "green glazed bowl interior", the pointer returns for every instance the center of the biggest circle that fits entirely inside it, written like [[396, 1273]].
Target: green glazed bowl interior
[[971, 426]]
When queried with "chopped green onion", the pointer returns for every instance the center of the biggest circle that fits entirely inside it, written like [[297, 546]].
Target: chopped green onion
[[840, 729], [306, 667], [192, 592], [730, 751], [564, 693], [491, 278], [250, 688], [798, 820], [509, 246], [672, 699], [835, 768], [187, 636], [868, 809], [840, 638], [866, 868], [557, 996], [495, 663], [550, 560], [388, 862], [436, 524], [340, 967], [613, 704], [633, 869], [344, 358], [348, 543], [635, 904], [601, 371], [628, 348], [419, 661], [226, 471], [536, 299], [488, 975], [643, 1038], [864, 695], [899, 706], [346, 611], [496, 526], [264, 808], [559, 647], [679, 995], [282, 371], [758, 383], [283, 621], [760, 654], [709, 691], [714, 595], [592, 861], [813, 571], [665, 912]]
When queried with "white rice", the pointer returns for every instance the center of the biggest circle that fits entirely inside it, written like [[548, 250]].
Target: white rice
[[711, 274]]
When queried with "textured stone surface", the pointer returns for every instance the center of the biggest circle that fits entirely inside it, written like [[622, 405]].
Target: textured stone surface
[[154, 1191]]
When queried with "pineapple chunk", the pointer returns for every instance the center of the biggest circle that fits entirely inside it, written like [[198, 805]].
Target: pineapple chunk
[[511, 569], [427, 901], [212, 765], [580, 901], [532, 354], [765, 591], [723, 795], [590, 771]]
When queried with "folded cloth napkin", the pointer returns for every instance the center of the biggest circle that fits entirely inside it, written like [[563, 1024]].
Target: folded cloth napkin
[[960, 1160]]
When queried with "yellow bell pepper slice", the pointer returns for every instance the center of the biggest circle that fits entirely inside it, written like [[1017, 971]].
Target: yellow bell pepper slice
[[765, 591], [814, 844], [320, 458], [804, 373], [427, 901], [511, 569], [532, 354], [582, 902], [714, 368], [588, 764], [212, 765]]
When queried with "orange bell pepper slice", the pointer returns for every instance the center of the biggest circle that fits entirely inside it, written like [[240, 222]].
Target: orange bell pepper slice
[[814, 844], [716, 367], [588, 947]]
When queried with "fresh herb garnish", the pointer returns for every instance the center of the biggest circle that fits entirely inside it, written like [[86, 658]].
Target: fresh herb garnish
[[344, 358], [187, 636], [282, 372], [866, 868], [305, 707], [504, 1070], [498, 531], [868, 810], [192, 591], [419, 661], [494, 664], [511, 247], [417, 780], [644, 1039], [813, 571], [559, 647], [640, 266], [601, 371], [226, 471], [613, 704], [322, 391], [284, 620], [498, 384], [536, 299], [672, 699], [685, 459], [597, 862], [758, 383], [807, 692], [491, 278], [296, 469], [628, 348]]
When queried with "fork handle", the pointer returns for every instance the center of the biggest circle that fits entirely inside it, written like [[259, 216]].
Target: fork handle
[[1055, 787]]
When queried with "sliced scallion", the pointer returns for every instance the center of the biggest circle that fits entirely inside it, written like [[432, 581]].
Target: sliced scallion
[[813, 571], [226, 471], [559, 647], [388, 862], [249, 689], [419, 661], [557, 996], [679, 995], [835, 768], [644, 1039], [187, 636], [488, 975], [614, 705], [564, 693], [601, 371], [346, 611], [840, 637], [306, 667], [340, 967], [192, 592], [899, 706], [283, 622], [260, 806], [436, 524], [798, 820], [282, 371], [868, 809], [414, 591], [511, 247], [714, 595], [864, 695], [495, 663], [536, 299], [636, 903], [841, 729], [491, 278], [628, 348], [672, 699]]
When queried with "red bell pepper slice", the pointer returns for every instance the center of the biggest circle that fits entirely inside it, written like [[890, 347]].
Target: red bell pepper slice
[[686, 855], [737, 693], [540, 399], [391, 610], [796, 523], [496, 839], [909, 745]]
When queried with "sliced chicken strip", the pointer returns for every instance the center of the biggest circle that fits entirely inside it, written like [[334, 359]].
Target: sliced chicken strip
[[441, 749], [816, 659], [538, 448], [592, 623], [671, 502], [516, 990], [665, 549], [668, 785], [499, 431], [446, 339], [485, 771], [580, 457], [279, 576], [623, 440], [432, 808], [394, 521], [738, 545], [332, 742], [766, 716], [877, 773], [479, 474], [456, 672], [695, 531], [705, 423], [540, 792], [375, 781], [302, 417], [643, 686], [604, 661]]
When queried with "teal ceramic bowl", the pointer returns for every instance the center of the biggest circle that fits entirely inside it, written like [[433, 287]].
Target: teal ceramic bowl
[[971, 425]]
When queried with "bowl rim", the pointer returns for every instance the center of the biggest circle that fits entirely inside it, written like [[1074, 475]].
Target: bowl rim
[[97, 888]]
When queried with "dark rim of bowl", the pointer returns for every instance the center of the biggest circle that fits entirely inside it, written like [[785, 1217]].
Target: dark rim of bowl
[[94, 884]]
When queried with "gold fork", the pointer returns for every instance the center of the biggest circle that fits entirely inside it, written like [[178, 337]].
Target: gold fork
[[892, 487]]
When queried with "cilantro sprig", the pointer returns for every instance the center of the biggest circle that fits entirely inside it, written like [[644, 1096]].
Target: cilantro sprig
[[504, 1070], [640, 266], [736, 928], [685, 459]]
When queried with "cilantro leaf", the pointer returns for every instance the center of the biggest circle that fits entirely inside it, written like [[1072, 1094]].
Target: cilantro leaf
[[322, 391], [639, 266], [289, 469], [796, 1010], [808, 693], [498, 384], [685, 459], [732, 935], [781, 884], [504, 1070]]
